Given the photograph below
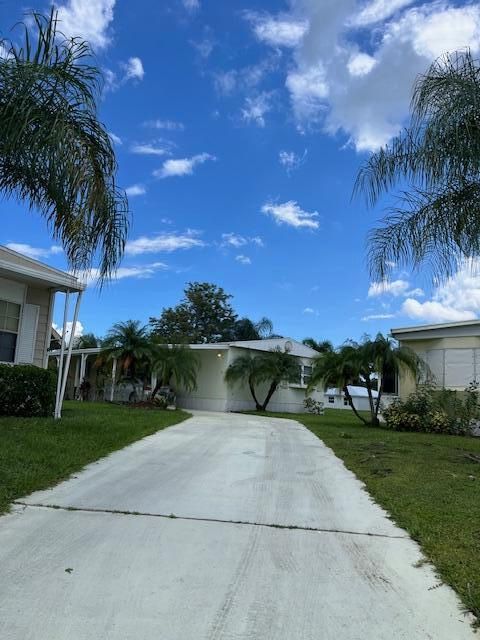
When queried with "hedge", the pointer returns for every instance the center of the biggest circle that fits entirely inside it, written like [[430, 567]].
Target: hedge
[[26, 390]]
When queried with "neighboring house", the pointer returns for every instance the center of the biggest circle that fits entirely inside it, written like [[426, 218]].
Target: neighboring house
[[335, 398], [212, 393], [27, 294], [451, 351]]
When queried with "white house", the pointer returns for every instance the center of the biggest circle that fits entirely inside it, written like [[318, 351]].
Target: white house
[[27, 295], [335, 398], [212, 392]]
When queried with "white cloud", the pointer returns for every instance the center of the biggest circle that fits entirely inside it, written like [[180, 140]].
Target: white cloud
[[433, 311], [366, 95], [395, 288], [378, 316], [243, 259], [168, 125], [278, 31], [164, 243], [79, 330], [91, 276], [89, 19], [360, 64], [291, 214], [256, 108], [182, 166], [308, 310], [204, 47], [114, 138], [34, 252], [378, 10], [291, 160], [191, 5], [133, 69], [136, 190], [150, 149], [237, 241]]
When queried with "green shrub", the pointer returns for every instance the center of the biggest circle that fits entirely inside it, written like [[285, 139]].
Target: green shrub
[[26, 391], [435, 411]]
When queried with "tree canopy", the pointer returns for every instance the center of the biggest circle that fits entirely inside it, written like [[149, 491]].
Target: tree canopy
[[205, 314], [55, 154]]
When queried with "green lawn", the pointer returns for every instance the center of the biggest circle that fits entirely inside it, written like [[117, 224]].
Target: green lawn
[[36, 453], [430, 484]]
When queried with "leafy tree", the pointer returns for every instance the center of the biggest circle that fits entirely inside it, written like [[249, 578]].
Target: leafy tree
[[324, 346], [246, 329], [438, 157], [176, 364], [87, 341], [364, 363], [129, 343], [204, 315], [271, 367], [55, 155]]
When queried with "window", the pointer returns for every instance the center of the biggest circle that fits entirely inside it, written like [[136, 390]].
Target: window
[[345, 402], [306, 374], [331, 400], [9, 323]]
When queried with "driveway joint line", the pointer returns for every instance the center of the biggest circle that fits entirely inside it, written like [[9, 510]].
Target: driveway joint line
[[173, 516]]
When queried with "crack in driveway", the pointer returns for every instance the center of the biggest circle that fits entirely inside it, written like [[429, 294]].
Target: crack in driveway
[[173, 516]]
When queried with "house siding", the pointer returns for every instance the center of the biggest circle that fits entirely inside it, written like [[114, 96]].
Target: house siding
[[42, 298]]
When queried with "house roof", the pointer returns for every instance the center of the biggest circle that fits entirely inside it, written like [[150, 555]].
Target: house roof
[[16, 266], [447, 329]]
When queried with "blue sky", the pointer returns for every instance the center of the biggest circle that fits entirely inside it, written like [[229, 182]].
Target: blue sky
[[239, 129]]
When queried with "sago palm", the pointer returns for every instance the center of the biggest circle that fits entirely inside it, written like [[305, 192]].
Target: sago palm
[[128, 343], [437, 162], [175, 364], [55, 155]]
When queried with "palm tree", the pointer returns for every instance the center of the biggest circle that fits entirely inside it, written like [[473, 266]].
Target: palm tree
[[338, 369], [272, 367], [322, 346], [128, 343], [175, 363], [246, 329], [438, 156], [245, 369], [87, 341], [55, 155], [384, 356]]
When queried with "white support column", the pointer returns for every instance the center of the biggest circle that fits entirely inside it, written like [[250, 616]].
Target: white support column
[[114, 375], [83, 364], [69, 354], [62, 353]]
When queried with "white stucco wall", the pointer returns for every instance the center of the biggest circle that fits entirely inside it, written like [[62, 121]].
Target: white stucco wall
[[211, 392]]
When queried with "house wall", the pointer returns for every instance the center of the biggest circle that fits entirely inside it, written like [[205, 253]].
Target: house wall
[[454, 361], [43, 299], [211, 391]]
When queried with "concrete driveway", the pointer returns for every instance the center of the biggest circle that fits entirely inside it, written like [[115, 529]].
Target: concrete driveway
[[223, 527]]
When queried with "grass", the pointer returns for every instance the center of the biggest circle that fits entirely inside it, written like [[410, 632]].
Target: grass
[[430, 484], [36, 453]]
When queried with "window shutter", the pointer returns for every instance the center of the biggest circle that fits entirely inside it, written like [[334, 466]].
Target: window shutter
[[28, 334], [435, 361], [459, 367]]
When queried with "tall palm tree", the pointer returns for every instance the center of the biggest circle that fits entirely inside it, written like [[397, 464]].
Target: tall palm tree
[[128, 343], [438, 157], [177, 364], [87, 341], [338, 369], [55, 155], [322, 346], [272, 367]]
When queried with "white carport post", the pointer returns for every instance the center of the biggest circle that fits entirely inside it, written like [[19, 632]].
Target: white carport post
[[65, 368], [114, 375], [62, 353]]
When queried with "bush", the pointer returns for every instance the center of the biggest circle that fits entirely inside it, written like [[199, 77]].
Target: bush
[[313, 406], [27, 391], [435, 411]]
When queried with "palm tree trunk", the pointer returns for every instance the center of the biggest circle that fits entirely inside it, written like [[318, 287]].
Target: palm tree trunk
[[377, 406], [254, 396], [368, 383], [271, 391], [350, 402]]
